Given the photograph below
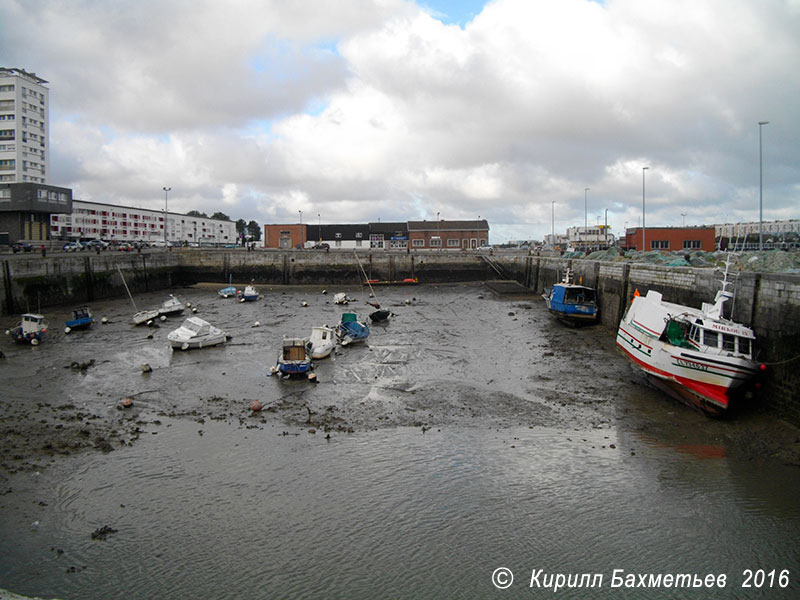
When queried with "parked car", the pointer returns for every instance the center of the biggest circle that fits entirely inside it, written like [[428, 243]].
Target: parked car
[[72, 247], [322, 246], [21, 247], [124, 247], [92, 244]]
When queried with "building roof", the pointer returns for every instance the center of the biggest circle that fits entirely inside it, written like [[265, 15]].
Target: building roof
[[380, 227], [477, 225]]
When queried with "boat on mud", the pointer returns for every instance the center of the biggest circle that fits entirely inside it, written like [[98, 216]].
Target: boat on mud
[[31, 329], [570, 302], [81, 319], [293, 358], [229, 291], [351, 330], [248, 294], [194, 332], [171, 306], [695, 355], [322, 341], [139, 316]]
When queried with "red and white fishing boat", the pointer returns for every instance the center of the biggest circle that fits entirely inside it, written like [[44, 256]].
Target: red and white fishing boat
[[695, 355]]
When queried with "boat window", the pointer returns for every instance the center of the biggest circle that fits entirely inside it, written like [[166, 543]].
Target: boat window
[[744, 346], [710, 338], [728, 342], [695, 334]]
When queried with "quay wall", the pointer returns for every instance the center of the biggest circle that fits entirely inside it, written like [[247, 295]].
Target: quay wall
[[769, 303]]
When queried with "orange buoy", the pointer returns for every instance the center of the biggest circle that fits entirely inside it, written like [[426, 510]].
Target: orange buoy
[[255, 406]]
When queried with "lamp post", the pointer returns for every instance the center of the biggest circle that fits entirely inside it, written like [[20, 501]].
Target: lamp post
[[438, 233], [553, 221], [644, 227], [585, 207], [605, 228], [683, 215], [301, 216], [760, 189], [319, 228], [166, 194]]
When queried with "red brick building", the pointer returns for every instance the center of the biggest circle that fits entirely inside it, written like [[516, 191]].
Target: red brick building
[[448, 235], [285, 236], [671, 239]]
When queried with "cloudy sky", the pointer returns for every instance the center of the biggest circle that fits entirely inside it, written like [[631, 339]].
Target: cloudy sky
[[360, 110]]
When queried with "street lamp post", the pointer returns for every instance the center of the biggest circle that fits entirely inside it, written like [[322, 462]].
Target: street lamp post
[[319, 227], [683, 215], [644, 227], [605, 228], [553, 221], [438, 232], [166, 194], [301, 216], [585, 207], [760, 189]]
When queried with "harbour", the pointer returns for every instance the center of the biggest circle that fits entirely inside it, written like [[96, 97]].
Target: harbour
[[459, 439]]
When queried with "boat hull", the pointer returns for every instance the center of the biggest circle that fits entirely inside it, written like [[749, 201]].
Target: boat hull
[[21, 337], [80, 323], [712, 384], [189, 344]]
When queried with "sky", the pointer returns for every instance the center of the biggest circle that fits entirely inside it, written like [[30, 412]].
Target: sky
[[363, 110]]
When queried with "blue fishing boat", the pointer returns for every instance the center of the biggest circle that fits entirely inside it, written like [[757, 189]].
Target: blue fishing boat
[[31, 329], [248, 294], [293, 359], [351, 330], [571, 302], [81, 319]]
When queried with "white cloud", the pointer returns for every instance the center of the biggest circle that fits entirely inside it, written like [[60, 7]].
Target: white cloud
[[363, 110]]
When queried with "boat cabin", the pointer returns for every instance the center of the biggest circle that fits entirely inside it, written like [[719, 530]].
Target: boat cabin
[[294, 349], [197, 326], [710, 337], [573, 294], [32, 323]]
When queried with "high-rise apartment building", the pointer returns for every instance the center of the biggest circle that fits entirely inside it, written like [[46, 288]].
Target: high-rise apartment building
[[24, 127]]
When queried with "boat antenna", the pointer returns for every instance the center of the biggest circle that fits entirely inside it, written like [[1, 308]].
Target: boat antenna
[[125, 283], [365, 276]]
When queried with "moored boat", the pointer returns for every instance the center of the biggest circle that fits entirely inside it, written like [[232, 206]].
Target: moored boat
[[194, 332], [81, 319], [229, 291], [293, 358], [31, 329], [351, 330], [322, 341], [171, 306], [695, 355], [570, 302], [248, 294]]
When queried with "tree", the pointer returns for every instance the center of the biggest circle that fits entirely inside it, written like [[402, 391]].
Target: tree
[[241, 225], [195, 213], [220, 216], [254, 230]]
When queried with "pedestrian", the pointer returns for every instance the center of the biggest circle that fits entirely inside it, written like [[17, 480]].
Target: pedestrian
[[44, 251]]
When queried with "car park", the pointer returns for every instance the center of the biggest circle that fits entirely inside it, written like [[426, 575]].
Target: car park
[[21, 247], [72, 247]]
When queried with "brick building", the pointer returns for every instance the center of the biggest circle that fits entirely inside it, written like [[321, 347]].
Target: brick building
[[671, 238]]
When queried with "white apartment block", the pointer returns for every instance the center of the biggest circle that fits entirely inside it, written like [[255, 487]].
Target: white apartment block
[[24, 127], [599, 235], [95, 220], [732, 231]]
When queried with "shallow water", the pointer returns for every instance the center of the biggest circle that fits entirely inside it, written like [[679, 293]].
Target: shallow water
[[481, 439]]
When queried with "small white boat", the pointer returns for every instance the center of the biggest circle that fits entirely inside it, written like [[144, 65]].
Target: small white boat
[[340, 298], [31, 329], [173, 306], [143, 316], [322, 341], [196, 333]]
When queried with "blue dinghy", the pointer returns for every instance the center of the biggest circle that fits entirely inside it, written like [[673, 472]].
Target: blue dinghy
[[571, 302]]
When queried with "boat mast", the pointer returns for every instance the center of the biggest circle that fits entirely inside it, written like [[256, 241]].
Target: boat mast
[[125, 283]]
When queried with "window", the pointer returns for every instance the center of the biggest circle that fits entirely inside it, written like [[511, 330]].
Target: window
[[418, 243], [338, 236], [691, 244], [359, 235], [728, 342], [659, 244], [436, 242], [744, 346], [452, 243], [710, 338]]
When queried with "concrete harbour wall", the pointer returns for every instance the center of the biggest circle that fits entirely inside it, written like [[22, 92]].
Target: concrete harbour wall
[[770, 303]]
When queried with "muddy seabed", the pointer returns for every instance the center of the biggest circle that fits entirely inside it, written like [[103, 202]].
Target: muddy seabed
[[452, 356]]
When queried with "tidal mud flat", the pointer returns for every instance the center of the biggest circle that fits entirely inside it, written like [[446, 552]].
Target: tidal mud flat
[[469, 432], [452, 356]]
